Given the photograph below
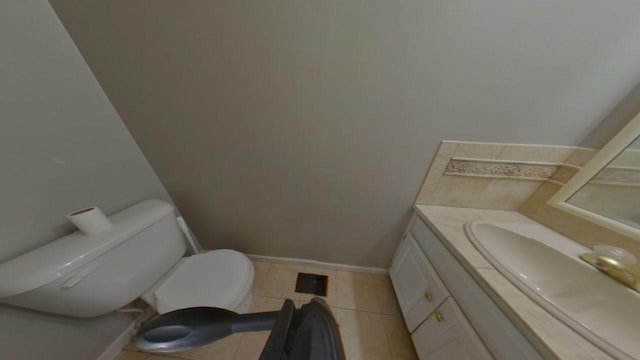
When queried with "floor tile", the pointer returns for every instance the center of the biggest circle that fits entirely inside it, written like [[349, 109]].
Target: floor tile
[[161, 357], [363, 304], [279, 281], [132, 355], [223, 349], [363, 335], [356, 291], [260, 277], [399, 338], [261, 303], [251, 345], [386, 295]]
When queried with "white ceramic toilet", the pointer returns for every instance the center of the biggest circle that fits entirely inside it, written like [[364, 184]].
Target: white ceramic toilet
[[219, 278], [141, 255]]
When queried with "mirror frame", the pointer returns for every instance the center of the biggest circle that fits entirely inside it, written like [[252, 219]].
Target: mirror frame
[[613, 148]]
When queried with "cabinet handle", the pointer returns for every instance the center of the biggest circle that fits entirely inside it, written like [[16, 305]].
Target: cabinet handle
[[438, 316], [427, 296]]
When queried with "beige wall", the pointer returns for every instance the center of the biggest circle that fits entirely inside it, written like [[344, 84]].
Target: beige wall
[[62, 146], [305, 128]]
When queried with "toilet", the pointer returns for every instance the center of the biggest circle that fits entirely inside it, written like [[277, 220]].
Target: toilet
[[219, 278], [141, 255]]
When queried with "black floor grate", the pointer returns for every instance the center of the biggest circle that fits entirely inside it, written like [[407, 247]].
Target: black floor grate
[[312, 284]]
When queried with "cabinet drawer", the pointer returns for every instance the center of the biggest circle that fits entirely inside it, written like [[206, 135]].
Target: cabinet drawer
[[417, 286], [447, 334]]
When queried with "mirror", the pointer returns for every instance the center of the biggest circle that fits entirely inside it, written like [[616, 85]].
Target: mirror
[[607, 190], [614, 191]]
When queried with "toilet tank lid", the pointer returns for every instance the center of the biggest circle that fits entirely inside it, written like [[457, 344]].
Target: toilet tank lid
[[63, 255]]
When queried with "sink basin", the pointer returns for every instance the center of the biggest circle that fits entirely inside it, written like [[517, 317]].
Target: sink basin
[[545, 266]]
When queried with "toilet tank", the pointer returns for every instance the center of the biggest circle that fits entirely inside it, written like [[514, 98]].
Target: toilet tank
[[85, 276]]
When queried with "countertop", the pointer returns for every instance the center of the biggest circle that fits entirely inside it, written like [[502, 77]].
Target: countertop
[[550, 336]]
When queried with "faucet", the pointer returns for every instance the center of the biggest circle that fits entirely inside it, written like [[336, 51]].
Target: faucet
[[626, 273]]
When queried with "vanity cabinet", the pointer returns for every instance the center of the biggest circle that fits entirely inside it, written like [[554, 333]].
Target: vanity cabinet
[[446, 335], [418, 288], [439, 329], [447, 312]]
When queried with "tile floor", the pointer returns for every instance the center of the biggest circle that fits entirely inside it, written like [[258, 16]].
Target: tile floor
[[363, 304]]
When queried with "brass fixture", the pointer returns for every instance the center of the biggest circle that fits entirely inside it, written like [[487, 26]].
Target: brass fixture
[[438, 315], [427, 296], [626, 274]]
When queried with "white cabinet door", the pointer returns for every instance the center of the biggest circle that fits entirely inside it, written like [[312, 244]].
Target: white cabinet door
[[446, 335], [418, 288]]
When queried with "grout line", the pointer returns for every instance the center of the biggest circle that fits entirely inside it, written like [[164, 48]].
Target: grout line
[[235, 353], [338, 307], [368, 311], [164, 355], [168, 355], [388, 338]]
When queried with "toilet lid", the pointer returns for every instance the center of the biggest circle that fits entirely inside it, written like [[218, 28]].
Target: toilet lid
[[219, 278]]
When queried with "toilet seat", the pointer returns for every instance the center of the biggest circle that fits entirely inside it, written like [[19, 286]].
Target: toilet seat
[[219, 278]]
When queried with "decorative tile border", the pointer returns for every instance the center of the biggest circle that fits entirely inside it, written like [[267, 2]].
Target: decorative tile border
[[496, 175], [500, 169]]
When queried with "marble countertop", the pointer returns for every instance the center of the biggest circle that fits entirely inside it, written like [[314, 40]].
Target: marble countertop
[[550, 336]]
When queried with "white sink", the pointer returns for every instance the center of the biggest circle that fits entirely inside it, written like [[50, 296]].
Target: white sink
[[545, 266]]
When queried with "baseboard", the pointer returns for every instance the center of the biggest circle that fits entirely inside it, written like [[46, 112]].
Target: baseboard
[[114, 349], [296, 261]]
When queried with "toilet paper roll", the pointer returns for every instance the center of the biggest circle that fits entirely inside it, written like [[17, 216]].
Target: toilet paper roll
[[90, 220]]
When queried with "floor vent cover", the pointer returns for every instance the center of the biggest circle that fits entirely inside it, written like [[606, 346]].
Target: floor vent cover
[[312, 284]]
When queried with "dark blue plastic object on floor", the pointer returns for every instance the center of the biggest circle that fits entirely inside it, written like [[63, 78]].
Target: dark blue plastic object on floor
[[308, 333]]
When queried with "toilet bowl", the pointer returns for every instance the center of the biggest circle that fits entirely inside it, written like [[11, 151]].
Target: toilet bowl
[[218, 278], [141, 255]]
